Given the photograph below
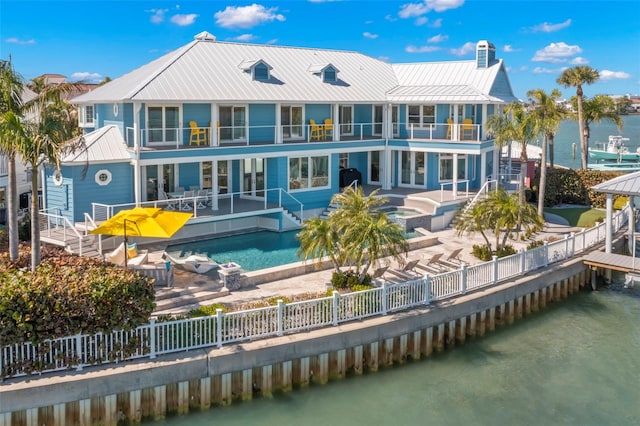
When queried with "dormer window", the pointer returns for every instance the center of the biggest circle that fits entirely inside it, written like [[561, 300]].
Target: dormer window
[[259, 69], [85, 116], [327, 72]]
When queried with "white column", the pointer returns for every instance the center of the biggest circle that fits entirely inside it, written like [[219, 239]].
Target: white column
[[454, 190], [214, 126], [483, 168], [387, 178], [607, 223], [278, 125], [137, 107], [456, 127], [214, 185], [631, 222], [483, 122], [336, 122]]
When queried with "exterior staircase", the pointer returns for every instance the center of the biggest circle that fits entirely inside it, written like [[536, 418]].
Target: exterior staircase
[[328, 210]]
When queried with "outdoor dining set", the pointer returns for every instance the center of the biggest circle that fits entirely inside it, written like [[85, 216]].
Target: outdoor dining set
[[184, 200]]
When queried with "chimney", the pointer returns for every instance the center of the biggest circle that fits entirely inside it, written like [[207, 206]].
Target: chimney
[[485, 54]]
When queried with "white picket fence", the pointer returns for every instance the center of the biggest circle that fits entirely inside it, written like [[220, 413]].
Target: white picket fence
[[155, 338]]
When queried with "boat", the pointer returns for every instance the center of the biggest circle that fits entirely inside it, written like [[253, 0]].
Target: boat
[[614, 166], [614, 149]]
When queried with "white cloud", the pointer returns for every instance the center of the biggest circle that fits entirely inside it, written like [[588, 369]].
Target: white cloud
[[438, 38], [384, 58], [523, 68], [184, 20], [542, 70], [465, 49], [579, 60], [367, 34], [15, 40], [614, 75], [437, 23], [272, 41], [413, 10], [247, 16], [509, 49], [87, 77], [421, 49], [556, 52], [421, 21], [390, 18], [546, 27], [442, 5], [157, 15], [244, 37]]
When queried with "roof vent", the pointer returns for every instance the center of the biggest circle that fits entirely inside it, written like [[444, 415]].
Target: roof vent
[[205, 36]]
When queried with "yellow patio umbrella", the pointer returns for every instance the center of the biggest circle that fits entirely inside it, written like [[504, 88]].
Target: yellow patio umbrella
[[150, 222]]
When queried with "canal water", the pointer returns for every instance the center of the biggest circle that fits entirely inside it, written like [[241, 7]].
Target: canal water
[[576, 362]]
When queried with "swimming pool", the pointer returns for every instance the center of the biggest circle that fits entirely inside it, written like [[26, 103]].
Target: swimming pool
[[253, 251]]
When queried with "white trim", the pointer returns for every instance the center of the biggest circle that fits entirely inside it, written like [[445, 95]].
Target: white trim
[[103, 181], [57, 178]]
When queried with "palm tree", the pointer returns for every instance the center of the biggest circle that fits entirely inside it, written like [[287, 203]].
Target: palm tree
[[548, 115], [597, 109], [318, 238], [11, 89], [42, 138], [577, 77], [515, 124]]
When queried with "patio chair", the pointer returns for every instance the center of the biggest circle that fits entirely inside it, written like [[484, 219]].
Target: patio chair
[[171, 202], [316, 131], [378, 274], [198, 135], [328, 128], [195, 263], [134, 256], [203, 198], [431, 265], [467, 129], [186, 202], [408, 271], [449, 128], [453, 260]]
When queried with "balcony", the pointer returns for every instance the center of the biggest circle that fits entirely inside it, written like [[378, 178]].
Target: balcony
[[232, 136]]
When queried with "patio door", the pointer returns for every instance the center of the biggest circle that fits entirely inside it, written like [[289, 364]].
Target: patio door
[[412, 168], [346, 120], [233, 120], [253, 178], [374, 167]]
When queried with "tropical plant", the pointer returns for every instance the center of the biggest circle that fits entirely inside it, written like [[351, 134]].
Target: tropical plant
[[515, 124], [501, 216], [547, 115], [577, 77], [357, 234], [41, 135], [11, 89], [597, 109]]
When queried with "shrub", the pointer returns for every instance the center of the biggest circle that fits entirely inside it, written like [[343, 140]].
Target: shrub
[[482, 252], [68, 295], [206, 311], [505, 251], [349, 280], [534, 244]]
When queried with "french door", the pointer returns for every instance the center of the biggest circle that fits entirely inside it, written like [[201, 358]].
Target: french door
[[412, 168], [253, 178]]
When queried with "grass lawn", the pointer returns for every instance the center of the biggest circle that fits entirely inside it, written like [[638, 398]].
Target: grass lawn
[[579, 216]]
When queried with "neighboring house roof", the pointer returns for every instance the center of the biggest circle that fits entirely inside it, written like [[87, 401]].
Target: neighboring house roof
[[206, 70], [104, 145], [628, 184], [455, 81], [28, 95]]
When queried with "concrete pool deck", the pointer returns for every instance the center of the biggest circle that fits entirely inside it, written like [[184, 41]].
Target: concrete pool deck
[[212, 291]]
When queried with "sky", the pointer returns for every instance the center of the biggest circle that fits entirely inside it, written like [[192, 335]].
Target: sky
[[90, 40]]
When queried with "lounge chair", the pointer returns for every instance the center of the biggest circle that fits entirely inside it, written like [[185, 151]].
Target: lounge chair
[[133, 257], [378, 274], [195, 263], [431, 265], [453, 260], [408, 271]]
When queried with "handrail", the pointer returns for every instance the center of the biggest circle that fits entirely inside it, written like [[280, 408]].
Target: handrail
[[442, 185], [79, 351], [58, 220], [88, 220], [485, 188], [282, 191]]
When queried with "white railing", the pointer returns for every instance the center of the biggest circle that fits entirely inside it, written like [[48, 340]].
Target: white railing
[[441, 132], [156, 338], [454, 185], [486, 187], [55, 225]]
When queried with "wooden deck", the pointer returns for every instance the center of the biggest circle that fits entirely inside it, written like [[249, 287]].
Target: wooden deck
[[613, 261]]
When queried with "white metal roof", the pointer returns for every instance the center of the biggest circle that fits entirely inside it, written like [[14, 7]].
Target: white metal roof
[[104, 145], [533, 152], [208, 71], [628, 184]]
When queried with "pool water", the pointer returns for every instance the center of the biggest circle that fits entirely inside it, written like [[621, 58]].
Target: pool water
[[252, 251], [401, 212]]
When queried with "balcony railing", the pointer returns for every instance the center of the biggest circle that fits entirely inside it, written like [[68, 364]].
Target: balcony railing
[[245, 135]]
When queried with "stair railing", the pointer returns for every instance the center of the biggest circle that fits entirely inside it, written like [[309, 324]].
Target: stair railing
[[89, 222], [485, 189], [295, 200], [52, 222]]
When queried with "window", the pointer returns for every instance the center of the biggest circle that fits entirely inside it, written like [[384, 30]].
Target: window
[[308, 172], [422, 115], [103, 177], [261, 72], [344, 160], [378, 119], [330, 75], [85, 116], [291, 121], [446, 167], [233, 120], [162, 123], [346, 119]]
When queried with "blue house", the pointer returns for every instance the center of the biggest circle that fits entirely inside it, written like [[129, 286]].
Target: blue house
[[214, 126]]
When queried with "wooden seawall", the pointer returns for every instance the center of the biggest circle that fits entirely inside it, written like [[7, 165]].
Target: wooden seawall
[[137, 391]]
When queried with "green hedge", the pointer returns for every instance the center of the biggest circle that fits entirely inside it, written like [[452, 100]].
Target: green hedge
[[67, 295], [568, 186]]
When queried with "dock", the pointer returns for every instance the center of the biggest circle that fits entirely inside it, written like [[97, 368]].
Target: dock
[[613, 261]]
